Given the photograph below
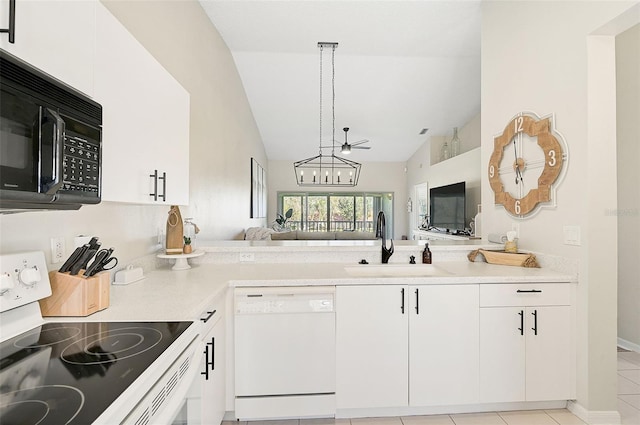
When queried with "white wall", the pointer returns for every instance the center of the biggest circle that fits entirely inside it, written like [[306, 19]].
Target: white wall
[[628, 211], [374, 177], [468, 133], [464, 167], [564, 70], [223, 138]]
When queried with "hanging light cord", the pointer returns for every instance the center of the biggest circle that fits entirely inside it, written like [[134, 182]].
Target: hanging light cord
[[320, 132], [333, 100]]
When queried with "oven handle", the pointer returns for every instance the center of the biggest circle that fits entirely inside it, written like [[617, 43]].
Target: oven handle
[[57, 146]]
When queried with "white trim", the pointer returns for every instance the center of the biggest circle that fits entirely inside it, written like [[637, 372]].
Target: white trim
[[628, 345], [594, 417], [449, 410]]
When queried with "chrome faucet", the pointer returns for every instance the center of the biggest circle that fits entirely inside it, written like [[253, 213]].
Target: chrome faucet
[[381, 233]]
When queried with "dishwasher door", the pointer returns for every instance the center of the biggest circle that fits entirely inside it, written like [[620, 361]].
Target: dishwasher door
[[284, 341]]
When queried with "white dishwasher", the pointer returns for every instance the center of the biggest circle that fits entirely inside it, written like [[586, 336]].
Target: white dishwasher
[[285, 363]]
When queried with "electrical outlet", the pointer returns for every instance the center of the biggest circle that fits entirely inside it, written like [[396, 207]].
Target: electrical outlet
[[57, 250], [247, 257], [571, 235]]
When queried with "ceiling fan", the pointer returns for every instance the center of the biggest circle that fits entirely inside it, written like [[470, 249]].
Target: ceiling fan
[[346, 146]]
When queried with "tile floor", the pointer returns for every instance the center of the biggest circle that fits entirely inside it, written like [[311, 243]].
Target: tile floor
[[629, 387], [628, 406]]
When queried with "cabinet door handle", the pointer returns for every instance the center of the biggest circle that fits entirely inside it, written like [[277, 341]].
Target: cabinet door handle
[[12, 22], [521, 328], [402, 304], [535, 322], [209, 363], [164, 187], [529, 291], [417, 301], [154, 176], [206, 363], [212, 363], [209, 316]]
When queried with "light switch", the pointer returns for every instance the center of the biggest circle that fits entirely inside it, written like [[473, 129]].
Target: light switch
[[571, 235]]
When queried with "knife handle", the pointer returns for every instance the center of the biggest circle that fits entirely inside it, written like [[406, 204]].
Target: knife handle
[[82, 262], [75, 256]]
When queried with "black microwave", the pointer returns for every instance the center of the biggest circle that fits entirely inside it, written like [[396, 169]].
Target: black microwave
[[50, 141]]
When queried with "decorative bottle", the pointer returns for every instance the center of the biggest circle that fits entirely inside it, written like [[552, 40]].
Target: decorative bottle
[[455, 143], [426, 254], [445, 153]]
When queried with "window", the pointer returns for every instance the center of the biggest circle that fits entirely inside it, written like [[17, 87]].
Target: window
[[321, 212]]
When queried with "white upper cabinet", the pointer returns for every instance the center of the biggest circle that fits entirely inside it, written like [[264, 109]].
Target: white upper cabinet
[[145, 120], [58, 37]]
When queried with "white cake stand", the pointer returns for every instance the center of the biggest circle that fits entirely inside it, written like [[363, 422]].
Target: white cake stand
[[181, 259]]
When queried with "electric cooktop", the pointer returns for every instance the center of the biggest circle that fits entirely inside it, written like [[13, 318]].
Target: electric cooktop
[[69, 373]]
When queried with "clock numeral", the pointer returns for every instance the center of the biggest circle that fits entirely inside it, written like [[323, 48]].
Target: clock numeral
[[518, 124], [492, 171], [552, 158], [517, 208]]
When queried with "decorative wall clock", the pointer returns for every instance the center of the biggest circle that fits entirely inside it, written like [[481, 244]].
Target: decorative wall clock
[[528, 159]]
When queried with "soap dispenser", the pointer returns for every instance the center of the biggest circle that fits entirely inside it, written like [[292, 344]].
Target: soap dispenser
[[426, 254]]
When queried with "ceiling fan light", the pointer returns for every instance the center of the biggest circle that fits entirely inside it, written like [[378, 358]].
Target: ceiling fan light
[[346, 149]]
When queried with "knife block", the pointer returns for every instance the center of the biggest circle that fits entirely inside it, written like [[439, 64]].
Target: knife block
[[76, 295]]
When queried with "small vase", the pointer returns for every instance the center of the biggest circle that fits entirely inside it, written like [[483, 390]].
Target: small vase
[[187, 249], [455, 143], [444, 151]]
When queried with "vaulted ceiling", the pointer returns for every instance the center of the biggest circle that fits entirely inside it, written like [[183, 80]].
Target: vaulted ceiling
[[400, 66]]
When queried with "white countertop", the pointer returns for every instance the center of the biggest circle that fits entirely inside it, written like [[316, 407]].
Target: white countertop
[[183, 295], [343, 245]]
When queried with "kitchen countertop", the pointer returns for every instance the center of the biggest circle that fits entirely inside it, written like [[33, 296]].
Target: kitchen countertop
[[343, 245], [183, 295]]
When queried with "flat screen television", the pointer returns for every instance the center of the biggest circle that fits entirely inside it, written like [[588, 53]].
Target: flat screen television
[[447, 207]]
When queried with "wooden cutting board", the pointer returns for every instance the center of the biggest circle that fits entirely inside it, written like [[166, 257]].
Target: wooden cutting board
[[175, 232]]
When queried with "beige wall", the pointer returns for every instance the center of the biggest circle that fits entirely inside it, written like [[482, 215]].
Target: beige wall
[[223, 138], [628, 130], [374, 177], [564, 70]]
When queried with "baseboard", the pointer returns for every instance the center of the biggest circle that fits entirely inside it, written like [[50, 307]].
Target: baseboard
[[594, 417], [447, 410], [628, 345]]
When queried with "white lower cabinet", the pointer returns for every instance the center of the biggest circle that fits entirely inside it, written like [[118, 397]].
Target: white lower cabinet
[[526, 343], [443, 345], [372, 337], [400, 345], [206, 402]]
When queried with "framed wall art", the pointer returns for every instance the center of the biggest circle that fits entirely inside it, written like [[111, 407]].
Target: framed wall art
[[258, 190]]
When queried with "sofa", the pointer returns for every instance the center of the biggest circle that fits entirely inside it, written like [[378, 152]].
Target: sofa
[[264, 233], [339, 235]]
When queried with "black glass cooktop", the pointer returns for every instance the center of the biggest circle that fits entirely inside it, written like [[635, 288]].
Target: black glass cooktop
[[69, 373]]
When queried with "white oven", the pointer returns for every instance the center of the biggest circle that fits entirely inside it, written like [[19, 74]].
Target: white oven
[[78, 371]]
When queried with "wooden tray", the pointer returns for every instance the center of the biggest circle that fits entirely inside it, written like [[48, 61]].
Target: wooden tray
[[76, 295], [505, 258]]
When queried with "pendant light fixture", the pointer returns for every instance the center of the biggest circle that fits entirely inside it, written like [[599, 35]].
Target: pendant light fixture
[[322, 169]]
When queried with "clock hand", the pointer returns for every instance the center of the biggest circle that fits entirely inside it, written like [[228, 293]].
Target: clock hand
[[517, 165]]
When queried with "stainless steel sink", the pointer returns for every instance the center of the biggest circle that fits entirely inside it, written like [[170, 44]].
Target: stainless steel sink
[[396, 270]]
